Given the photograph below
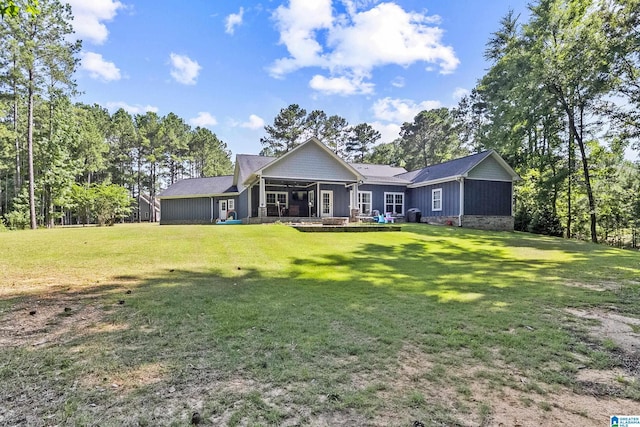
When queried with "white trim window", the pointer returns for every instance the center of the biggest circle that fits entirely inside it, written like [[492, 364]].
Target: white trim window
[[364, 202], [280, 196], [394, 203], [436, 199], [231, 204]]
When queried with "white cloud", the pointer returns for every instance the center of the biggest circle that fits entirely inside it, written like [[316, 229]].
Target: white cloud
[[340, 85], [88, 17], [389, 131], [401, 110], [184, 70], [132, 109], [203, 120], [356, 43], [233, 20], [298, 25], [460, 93], [398, 82], [98, 68], [255, 122]]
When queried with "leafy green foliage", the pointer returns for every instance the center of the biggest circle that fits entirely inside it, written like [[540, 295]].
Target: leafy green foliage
[[106, 202], [430, 139]]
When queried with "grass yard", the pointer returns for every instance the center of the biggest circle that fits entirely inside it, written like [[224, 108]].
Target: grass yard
[[265, 325]]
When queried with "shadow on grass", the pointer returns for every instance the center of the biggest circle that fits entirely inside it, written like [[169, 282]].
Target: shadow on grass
[[262, 347]]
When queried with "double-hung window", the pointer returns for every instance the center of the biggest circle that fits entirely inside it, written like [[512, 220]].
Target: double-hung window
[[364, 202], [394, 203], [436, 199]]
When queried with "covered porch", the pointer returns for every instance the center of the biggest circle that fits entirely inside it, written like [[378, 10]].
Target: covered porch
[[273, 199]]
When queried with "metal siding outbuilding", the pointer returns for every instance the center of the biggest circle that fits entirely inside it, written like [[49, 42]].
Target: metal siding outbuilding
[[487, 197]]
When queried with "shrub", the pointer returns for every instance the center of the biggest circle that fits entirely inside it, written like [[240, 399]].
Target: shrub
[[17, 220]]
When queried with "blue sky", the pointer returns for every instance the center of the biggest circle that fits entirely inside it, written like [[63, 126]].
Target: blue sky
[[231, 66]]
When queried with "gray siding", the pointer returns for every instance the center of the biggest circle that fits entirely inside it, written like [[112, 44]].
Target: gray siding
[[341, 199], [421, 198], [489, 169], [242, 204], [196, 210], [487, 198], [377, 194], [310, 162]]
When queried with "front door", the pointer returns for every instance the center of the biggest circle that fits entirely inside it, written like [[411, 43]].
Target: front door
[[326, 203], [223, 209]]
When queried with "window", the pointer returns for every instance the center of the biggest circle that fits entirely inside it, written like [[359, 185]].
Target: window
[[230, 204], [273, 196], [394, 203], [364, 202], [436, 199]]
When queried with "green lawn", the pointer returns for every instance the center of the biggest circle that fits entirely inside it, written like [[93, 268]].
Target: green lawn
[[265, 325]]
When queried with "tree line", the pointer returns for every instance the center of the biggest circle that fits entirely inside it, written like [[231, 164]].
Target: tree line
[[560, 102], [57, 157]]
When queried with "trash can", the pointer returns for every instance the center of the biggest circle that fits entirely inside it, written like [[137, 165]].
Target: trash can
[[414, 215]]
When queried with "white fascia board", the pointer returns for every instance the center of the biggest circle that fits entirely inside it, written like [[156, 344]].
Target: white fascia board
[[435, 181], [198, 196], [297, 178]]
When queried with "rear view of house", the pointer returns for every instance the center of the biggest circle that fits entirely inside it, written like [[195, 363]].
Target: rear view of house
[[311, 182]]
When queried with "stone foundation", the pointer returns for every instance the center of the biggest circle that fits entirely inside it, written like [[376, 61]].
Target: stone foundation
[[480, 222], [497, 223]]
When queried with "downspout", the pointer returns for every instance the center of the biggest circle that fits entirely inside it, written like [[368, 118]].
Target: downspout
[[211, 220], [461, 208]]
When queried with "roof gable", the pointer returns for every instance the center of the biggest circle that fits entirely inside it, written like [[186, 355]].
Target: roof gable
[[312, 160], [485, 165]]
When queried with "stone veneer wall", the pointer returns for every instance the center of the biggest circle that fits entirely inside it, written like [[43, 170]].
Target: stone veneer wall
[[498, 223], [481, 222]]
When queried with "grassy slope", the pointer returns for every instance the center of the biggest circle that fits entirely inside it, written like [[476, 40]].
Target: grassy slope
[[303, 324]]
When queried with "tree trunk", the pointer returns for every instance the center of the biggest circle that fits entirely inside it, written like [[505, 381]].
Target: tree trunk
[[587, 177], [18, 178], [32, 187], [570, 184]]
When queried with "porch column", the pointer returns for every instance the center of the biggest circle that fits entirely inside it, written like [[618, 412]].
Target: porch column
[[461, 209], [262, 208], [249, 201], [355, 209]]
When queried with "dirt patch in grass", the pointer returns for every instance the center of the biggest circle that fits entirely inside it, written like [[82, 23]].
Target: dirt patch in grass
[[619, 329], [47, 319]]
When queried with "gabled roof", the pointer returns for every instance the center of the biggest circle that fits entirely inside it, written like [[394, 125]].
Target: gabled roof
[[246, 165], [200, 187], [274, 161], [458, 168]]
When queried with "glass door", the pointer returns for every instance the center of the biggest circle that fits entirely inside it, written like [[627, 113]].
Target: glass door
[[326, 203]]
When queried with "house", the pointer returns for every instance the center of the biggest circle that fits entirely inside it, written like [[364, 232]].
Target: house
[[311, 182], [142, 211]]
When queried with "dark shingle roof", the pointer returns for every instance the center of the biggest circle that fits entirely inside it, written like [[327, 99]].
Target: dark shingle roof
[[200, 187], [248, 164], [448, 169]]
